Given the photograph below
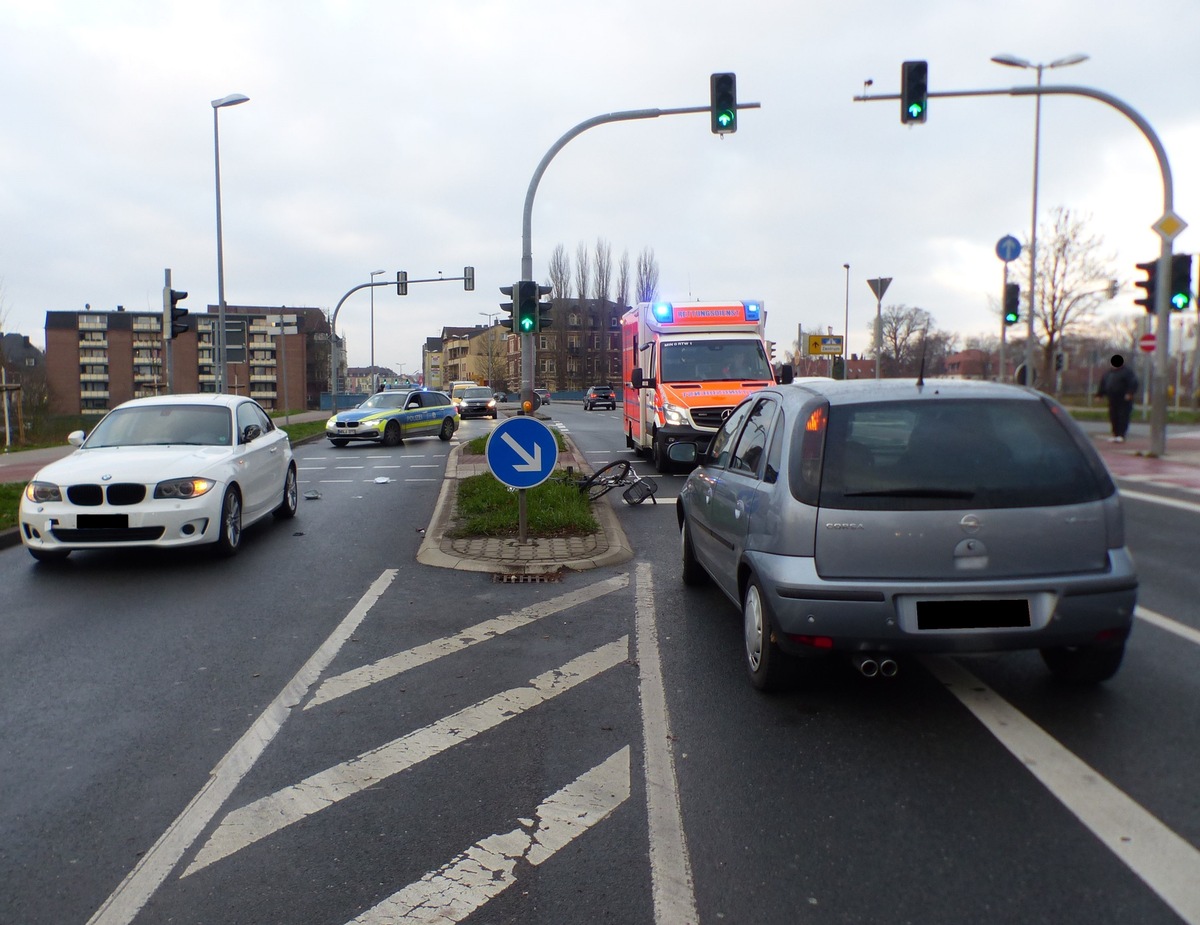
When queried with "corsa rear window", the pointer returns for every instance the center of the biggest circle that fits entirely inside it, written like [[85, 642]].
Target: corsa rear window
[[955, 454]]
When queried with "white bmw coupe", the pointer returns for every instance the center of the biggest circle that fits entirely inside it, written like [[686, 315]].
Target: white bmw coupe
[[173, 470]]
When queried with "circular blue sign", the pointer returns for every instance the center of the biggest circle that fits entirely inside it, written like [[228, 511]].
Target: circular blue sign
[[1008, 248], [521, 452]]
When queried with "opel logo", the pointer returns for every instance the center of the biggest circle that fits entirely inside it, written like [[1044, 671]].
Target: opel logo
[[970, 523]]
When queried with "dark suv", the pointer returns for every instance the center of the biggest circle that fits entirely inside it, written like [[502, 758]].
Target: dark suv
[[600, 395]]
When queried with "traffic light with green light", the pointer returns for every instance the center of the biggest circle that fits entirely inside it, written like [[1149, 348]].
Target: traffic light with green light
[[722, 90], [1150, 284], [1181, 282], [1012, 303], [914, 91], [527, 306]]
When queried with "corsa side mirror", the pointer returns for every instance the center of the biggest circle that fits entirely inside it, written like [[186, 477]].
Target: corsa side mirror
[[251, 433]]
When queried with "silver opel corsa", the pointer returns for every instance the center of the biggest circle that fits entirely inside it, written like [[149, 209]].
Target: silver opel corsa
[[878, 517]]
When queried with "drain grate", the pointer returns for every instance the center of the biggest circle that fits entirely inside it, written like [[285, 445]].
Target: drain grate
[[506, 578]]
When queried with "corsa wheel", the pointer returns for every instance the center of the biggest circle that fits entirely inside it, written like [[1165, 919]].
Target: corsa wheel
[[692, 572], [764, 661]]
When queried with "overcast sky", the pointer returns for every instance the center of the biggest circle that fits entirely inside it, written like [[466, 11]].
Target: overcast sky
[[404, 135]]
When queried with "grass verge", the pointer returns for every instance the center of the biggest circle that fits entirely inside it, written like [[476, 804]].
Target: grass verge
[[487, 507], [10, 501]]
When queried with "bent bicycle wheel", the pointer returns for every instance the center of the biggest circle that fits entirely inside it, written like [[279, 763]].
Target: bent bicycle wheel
[[606, 478]]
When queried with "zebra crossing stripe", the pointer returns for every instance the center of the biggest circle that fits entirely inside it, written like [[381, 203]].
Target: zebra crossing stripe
[[490, 866], [255, 821], [365, 676]]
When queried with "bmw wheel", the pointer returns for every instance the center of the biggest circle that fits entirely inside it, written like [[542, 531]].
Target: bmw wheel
[[447, 430], [229, 539], [391, 434]]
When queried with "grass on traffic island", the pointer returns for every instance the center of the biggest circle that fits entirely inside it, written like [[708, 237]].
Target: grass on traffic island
[[487, 507]]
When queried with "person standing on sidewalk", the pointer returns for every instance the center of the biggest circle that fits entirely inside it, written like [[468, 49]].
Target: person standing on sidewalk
[[1119, 385]]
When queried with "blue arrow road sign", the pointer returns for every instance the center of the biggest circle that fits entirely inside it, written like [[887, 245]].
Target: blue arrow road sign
[[521, 452], [1008, 248]]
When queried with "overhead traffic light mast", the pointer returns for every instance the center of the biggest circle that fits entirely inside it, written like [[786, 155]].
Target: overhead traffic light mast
[[914, 91], [723, 103]]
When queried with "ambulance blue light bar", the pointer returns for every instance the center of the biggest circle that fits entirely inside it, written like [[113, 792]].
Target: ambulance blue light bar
[[664, 311], [753, 311]]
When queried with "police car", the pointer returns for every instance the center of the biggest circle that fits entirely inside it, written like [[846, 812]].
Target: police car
[[393, 416]]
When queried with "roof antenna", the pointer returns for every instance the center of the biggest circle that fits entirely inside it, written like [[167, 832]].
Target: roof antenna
[[924, 344]]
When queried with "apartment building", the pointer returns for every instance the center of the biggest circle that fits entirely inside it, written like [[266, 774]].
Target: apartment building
[[97, 359]]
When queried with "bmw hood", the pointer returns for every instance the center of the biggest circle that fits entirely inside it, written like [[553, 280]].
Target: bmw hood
[[358, 415], [145, 464]]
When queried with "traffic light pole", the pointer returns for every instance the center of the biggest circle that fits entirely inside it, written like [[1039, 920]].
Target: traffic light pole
[[1168, 226], [527, 345], [468, 279]]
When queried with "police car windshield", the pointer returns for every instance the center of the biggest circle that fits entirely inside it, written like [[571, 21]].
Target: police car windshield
[[385, 400], [708, 360]]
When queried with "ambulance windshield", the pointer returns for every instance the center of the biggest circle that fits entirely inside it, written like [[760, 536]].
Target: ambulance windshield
[[714, 360]]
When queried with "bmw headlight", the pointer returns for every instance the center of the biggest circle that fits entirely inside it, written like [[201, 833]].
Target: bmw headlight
[[673, 414], [183, 489], [42, 492]]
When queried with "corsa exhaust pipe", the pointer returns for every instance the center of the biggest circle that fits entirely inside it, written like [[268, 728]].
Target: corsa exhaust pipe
[[888, 668], [866, 665]]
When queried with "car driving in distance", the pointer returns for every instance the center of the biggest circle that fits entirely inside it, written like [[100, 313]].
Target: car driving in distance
[[543, 394], [478, 402], [393, 416], [172, 470], [874, 518], [600, 395]]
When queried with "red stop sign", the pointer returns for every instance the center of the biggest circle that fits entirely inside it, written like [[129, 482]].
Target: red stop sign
[[1146, 343]]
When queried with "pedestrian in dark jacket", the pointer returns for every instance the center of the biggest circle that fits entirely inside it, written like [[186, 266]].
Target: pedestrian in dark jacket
[[1119, 385]]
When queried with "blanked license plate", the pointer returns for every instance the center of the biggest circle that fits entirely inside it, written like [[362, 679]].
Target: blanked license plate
[[995, 613], [102, 522]]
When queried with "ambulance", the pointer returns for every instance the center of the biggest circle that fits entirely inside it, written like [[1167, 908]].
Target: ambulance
[[686, 365]]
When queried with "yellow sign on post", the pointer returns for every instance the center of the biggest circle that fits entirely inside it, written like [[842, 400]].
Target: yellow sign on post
[[825, 344]]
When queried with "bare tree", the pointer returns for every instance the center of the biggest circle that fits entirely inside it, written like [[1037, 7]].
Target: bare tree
[[647, 276], [1072, 281], [623, 280], [560, 273], [583, 271], [603, 276], [905, 332]]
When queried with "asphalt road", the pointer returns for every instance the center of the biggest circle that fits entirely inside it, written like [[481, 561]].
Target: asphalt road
[[321, 730]]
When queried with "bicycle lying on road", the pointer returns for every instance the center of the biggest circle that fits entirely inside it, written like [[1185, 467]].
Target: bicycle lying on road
[[618, 474]]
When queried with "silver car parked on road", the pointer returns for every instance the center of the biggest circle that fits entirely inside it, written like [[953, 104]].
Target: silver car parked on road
[[880, 517]]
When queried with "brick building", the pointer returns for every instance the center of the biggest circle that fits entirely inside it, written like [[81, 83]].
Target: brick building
[[95, 360]]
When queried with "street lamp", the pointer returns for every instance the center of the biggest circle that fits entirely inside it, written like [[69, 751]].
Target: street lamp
[[846, 328], [232, 100], [374, 383], [491, 344], [1014, 61]]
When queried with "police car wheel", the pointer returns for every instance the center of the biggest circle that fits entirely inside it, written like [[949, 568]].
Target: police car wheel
[[391, 434], [339, 442]]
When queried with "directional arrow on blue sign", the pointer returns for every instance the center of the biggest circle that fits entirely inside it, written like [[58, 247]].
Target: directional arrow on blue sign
[[521, 452]]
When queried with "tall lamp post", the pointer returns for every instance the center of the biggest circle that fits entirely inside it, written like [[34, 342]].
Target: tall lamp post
[[374, 381], [1014, 61], [232, 100], [491, 345], [846, 328]]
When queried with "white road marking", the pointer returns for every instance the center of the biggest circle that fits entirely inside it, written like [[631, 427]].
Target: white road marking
[[1190, 506], [335, 481], [366, 675], [671, 881], [141, 883], [1166, 623], [269, 814], [488, 867], [349, 467], [1168, 864]]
